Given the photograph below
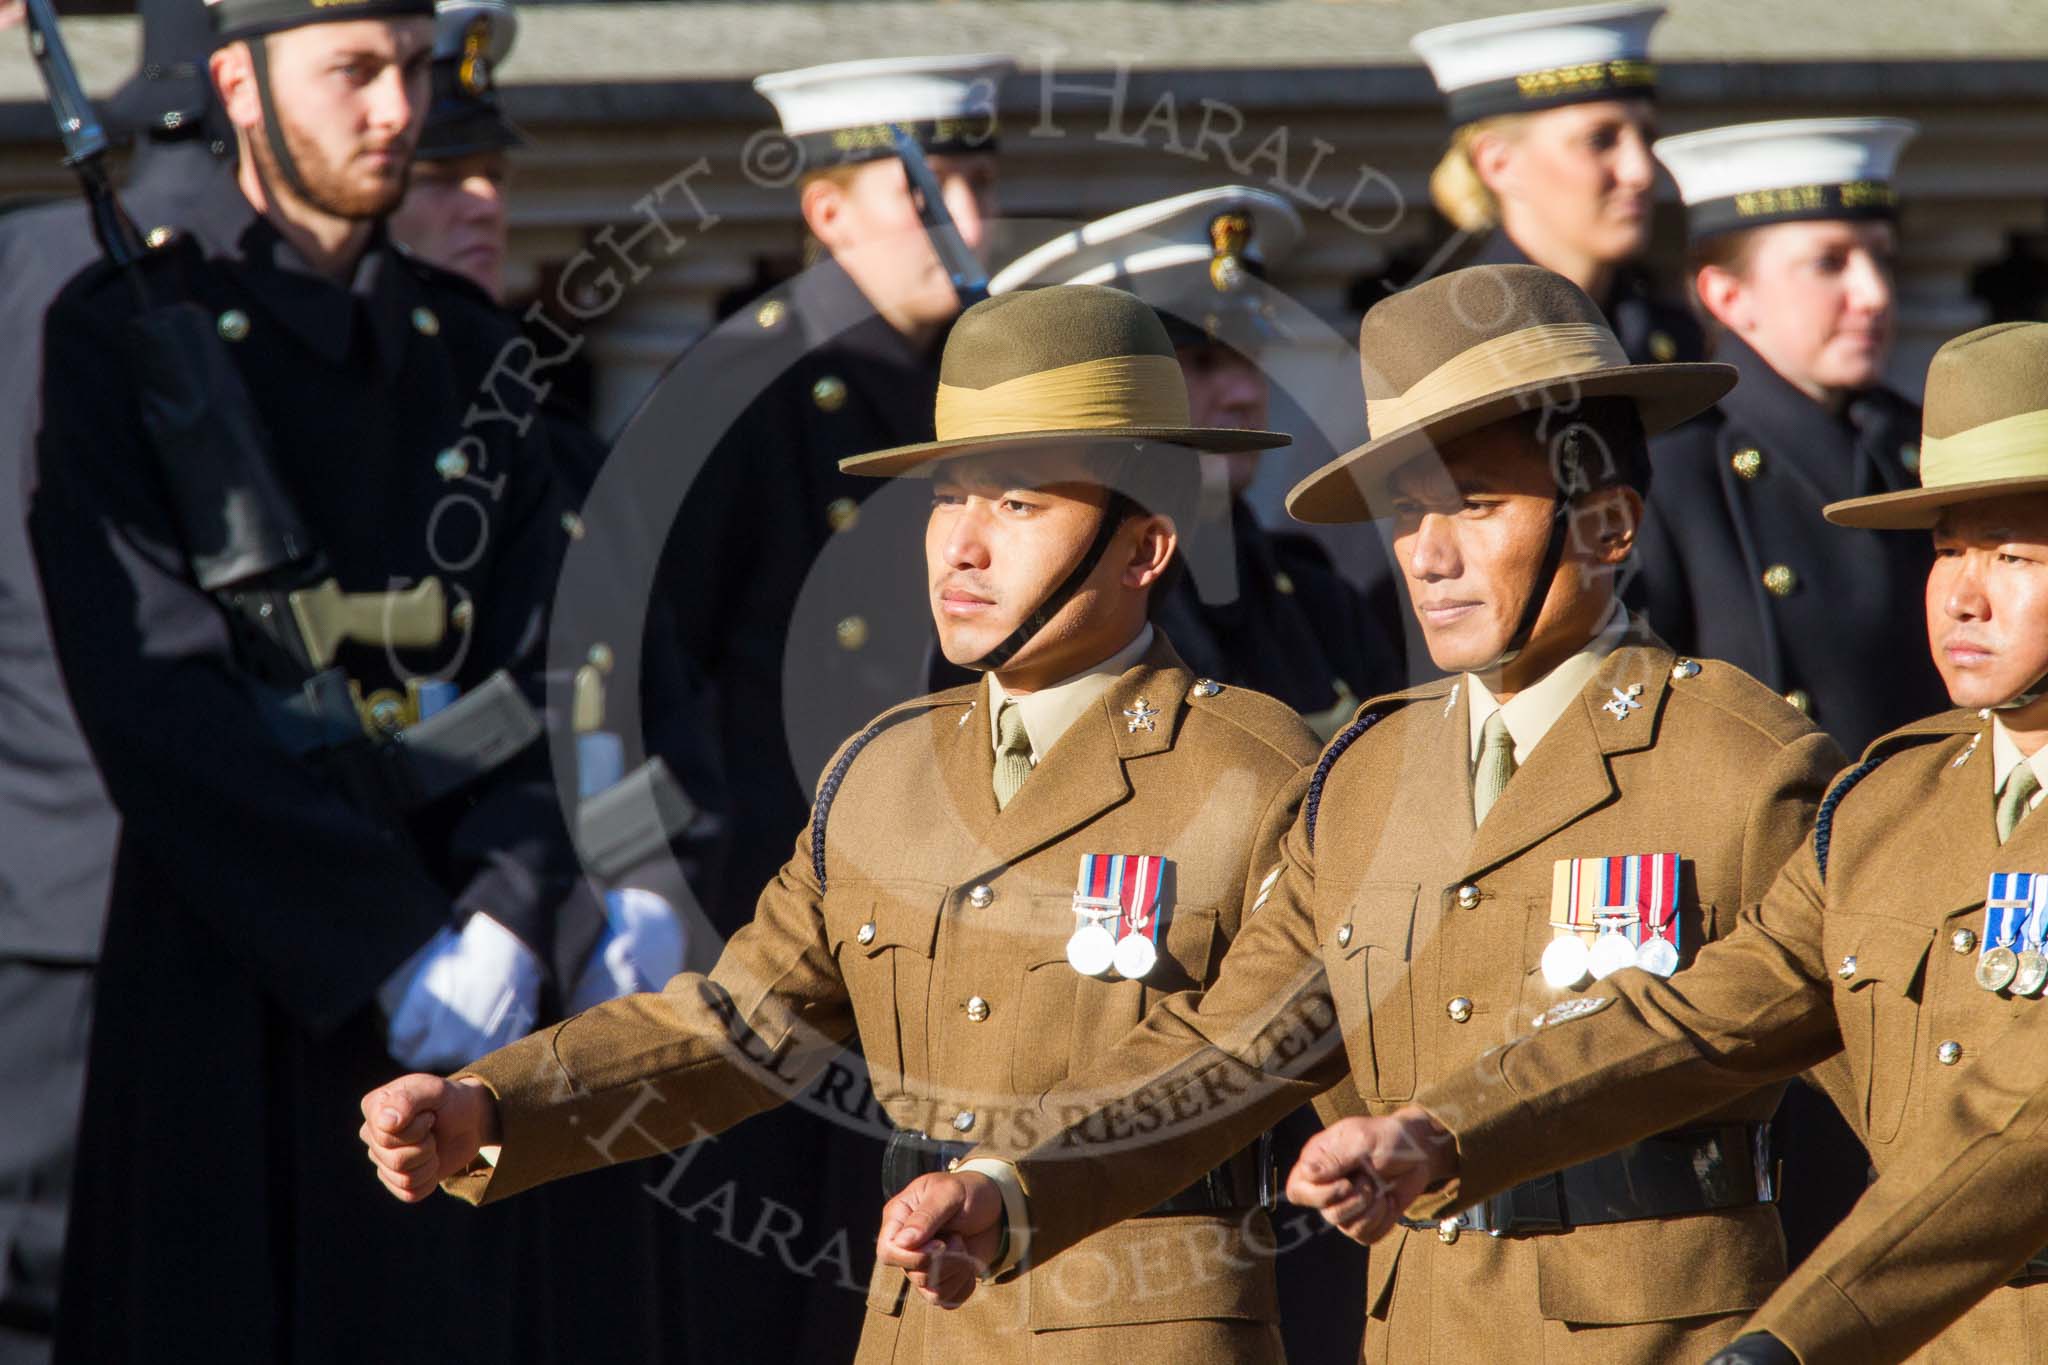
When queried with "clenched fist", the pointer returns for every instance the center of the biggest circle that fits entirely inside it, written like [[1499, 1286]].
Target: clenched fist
[[422, 1129], [1363, 1172], [944, 1231]]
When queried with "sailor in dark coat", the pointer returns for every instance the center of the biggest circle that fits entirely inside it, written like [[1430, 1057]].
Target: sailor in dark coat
[[1549, 162], [270, 940], [1792, 243], [57, 827], [843, 360], [1735, 564]]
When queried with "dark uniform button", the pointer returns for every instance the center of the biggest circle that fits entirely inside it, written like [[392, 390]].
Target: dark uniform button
[[851, 632], [1780, 581], [829, 393], [1663, 349], [425, 322], [1283, 583], [451, 464], [232, 325], [1747, 462], [771, 313], [1800, 700], [841, 514]]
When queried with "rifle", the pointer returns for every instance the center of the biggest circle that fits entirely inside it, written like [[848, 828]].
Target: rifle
[[970, 281], [245, 542]]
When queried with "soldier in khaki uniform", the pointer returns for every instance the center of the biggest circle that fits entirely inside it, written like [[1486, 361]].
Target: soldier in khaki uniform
[[931, 904], [1906, 937], [1461, 850]]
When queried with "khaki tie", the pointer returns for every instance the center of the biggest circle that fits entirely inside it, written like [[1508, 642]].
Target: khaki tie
[[2020, 786], [1496, 766], [1013, 753]]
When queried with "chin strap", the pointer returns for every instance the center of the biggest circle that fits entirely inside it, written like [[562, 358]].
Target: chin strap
[[1539, 591], [273, 131], [1113, 513]]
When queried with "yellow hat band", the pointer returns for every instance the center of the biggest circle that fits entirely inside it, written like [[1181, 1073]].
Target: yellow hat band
[[2013, 447], [1557, 350], [1106, 393]]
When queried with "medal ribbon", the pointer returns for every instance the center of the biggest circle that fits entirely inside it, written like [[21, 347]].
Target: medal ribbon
[[1139, 893], [1656, 897], [2010, 894], [1097, 883]]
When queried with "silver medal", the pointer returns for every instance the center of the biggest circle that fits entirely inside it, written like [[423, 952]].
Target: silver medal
[[1996, 968], [1611, 952], [2030, 973], [1657, 956], [1565, 962], [1135, 956], [1091, 951]]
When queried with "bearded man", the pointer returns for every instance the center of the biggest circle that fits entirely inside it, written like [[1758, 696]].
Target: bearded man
[[276, 938]]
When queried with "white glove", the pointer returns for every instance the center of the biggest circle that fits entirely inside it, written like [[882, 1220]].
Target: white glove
[[464, 994], [644, 944]]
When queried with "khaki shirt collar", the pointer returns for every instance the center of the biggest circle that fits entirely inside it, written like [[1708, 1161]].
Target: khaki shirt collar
[[2006, 755], [1051, 711], [1532, 711]]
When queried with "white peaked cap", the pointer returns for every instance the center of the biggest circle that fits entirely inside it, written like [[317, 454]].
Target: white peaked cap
[[1165, 235], [821, 99], [1756, 173], [452, 19], [1588, 51]]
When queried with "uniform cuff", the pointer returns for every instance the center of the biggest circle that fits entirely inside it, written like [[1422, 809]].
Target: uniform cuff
[[1016, 1210]]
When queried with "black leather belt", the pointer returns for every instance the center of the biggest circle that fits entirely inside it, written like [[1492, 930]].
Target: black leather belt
[[1246, 1181], [1693, 1170]]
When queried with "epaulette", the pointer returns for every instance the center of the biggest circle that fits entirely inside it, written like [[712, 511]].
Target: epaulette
[[1881, 748], [828, 790], [1312, 804], [1268, 720]]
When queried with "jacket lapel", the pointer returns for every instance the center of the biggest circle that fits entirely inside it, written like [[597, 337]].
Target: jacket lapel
[[1083, 775], [967, 764], [1974, 830]]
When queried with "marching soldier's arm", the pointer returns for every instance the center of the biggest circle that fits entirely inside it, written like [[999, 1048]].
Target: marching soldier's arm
[[1637, 1053], [325, 902], [1200, 1077], [649, 1073], [1956, 1214]]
